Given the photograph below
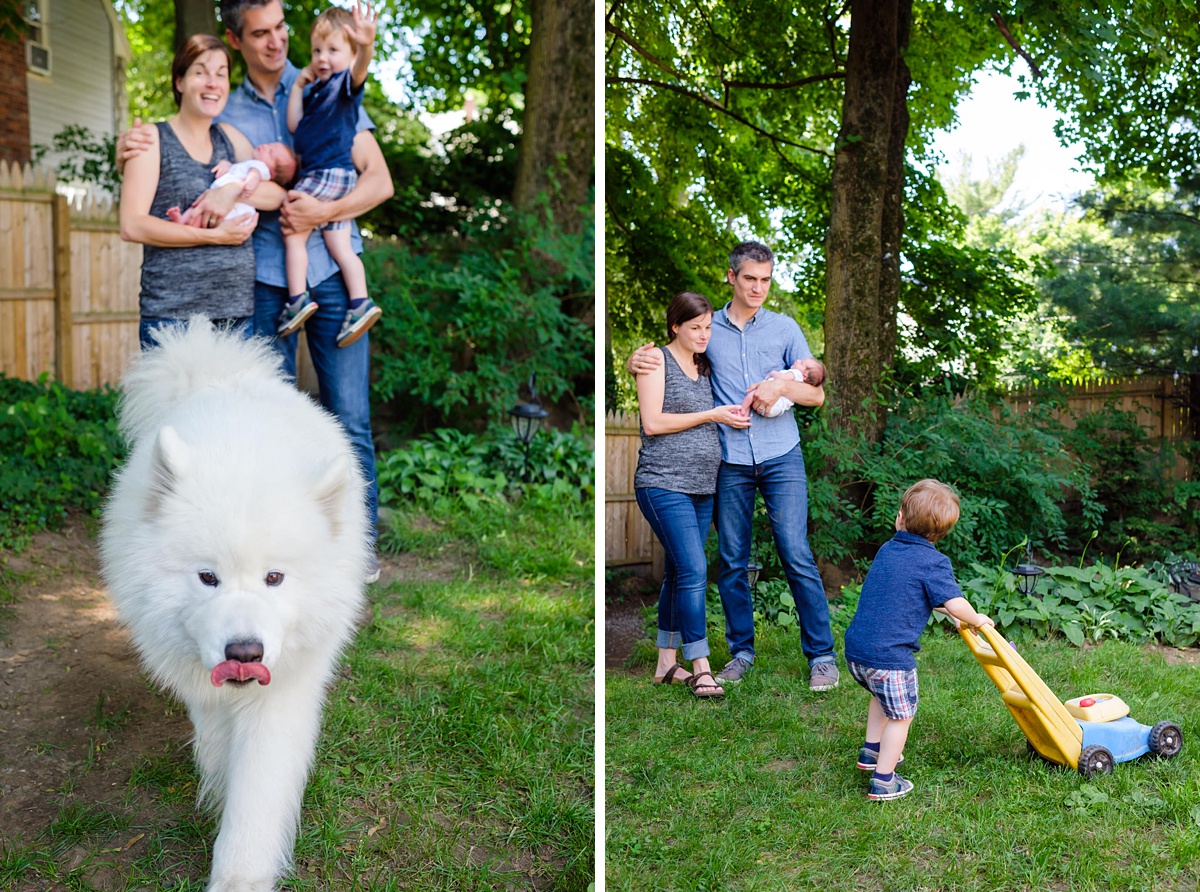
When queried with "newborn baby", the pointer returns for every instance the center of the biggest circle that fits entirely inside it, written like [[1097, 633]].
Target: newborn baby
[[810, 371], [271, 161]]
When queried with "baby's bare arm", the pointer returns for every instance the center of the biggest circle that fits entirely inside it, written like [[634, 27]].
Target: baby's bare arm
[[252, 180]]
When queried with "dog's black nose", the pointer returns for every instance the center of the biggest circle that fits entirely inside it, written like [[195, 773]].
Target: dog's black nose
[[244, 651]]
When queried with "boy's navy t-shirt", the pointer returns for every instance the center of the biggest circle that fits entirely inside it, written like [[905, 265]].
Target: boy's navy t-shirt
[[326, 133], [908, 578]]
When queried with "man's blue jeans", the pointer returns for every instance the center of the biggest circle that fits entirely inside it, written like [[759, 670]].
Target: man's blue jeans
[[681, 522], [784, 486], [343, 373]]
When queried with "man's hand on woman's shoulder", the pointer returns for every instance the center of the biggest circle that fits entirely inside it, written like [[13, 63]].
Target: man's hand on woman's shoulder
[[644, 360], [134, 141]]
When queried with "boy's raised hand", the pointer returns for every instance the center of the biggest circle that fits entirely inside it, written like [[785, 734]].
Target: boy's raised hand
[[307, 75], [362, 31]]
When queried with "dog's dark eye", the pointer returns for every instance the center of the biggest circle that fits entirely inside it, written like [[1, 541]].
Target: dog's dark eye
[[209, 578], [273, 578]]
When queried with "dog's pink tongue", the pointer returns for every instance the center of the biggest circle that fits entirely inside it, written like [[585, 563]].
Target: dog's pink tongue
[[235, 670]]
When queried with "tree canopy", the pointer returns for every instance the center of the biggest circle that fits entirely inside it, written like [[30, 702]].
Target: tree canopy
[[724, 123]]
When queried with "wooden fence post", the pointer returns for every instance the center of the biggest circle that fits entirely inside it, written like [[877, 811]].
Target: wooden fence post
[[64, 364]]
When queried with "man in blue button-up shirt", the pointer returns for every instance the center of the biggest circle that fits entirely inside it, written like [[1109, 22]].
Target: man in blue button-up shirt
[[748, 343], [258, 108]]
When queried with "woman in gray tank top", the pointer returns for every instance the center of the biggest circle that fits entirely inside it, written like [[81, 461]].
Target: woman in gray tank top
[[675, 482], [205, 267]]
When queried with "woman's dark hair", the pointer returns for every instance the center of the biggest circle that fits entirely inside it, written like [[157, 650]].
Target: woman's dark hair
[[684, 306], [193, 48]]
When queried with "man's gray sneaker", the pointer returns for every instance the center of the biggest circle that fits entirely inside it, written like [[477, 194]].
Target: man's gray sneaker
[[824, 676], [733, 671]]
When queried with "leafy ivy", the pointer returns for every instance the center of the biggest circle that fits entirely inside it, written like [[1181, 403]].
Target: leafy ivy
[[469, 319], [59, 448]]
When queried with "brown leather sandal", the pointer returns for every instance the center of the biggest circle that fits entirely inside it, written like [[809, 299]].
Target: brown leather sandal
[[708, 688], [668, 677]]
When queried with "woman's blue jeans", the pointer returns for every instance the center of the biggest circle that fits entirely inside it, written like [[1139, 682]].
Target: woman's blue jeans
[[681, 522], [784, 487], [244, 325]]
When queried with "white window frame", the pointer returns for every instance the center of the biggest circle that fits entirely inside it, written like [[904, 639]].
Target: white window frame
[[37, 17]]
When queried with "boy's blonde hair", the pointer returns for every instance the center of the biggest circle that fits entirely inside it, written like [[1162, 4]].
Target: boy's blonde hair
[[332, 21], [930, 509]]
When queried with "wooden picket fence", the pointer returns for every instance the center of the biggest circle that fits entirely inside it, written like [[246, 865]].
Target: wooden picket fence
[[628, 540], [68, 283], [1159, 404]]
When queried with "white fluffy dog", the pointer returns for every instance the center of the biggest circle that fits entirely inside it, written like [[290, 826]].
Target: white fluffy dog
[[235, 547]]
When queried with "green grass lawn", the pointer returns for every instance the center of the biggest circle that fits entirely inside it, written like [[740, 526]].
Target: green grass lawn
[[759, 790], [457, 750]]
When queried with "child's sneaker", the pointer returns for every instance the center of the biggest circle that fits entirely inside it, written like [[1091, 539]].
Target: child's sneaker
[[868, 759], [894, 790], [357, 322], [295, 314]]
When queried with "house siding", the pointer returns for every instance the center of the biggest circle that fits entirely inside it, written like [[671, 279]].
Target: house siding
[[83, 66]]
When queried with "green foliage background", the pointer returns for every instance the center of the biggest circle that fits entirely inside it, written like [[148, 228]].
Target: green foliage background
[[59, 447]]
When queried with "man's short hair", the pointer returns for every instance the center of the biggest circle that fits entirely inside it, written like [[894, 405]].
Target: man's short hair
[[754, 252], [930, 509], [233, 11]]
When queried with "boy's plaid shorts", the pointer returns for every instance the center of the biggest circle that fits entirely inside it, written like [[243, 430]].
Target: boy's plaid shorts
[[895, 689], [327, 185]]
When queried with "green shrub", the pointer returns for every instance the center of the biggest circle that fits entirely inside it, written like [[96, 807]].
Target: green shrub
[[59, 448], [82, 156], [773, 603], [469, 320], [1012, 477], [1131, 476], [1086, 604], [451, 470], [1082, 604]]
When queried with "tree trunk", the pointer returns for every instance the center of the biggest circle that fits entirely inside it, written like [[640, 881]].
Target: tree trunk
[[866, 221], [194, 17], [892, 235], [559, 132]]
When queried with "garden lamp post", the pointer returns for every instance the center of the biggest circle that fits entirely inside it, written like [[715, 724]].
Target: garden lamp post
[[753, 569], [526, 419], [1027, 573]]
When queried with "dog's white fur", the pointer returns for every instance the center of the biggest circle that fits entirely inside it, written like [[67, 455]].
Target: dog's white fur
[[234, 473]]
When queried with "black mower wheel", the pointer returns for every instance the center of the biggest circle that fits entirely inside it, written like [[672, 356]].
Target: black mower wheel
[[1095, 760], [1166, 740]]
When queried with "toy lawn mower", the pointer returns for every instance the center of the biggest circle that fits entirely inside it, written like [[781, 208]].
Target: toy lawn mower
[[1090, 734]]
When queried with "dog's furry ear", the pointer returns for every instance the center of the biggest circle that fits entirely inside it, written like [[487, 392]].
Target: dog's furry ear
[[168, 462], [330, 490]]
